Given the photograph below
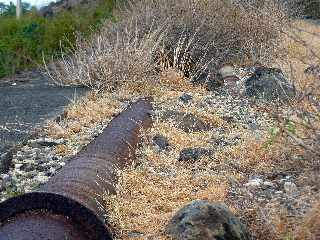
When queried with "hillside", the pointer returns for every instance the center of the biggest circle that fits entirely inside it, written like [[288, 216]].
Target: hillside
[[235, 91]]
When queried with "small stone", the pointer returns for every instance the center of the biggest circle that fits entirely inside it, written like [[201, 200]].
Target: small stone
[[193, 154], [49, 142], [27, 167], [18, 165], [290, 188], [186, 121], [161, 142], [6, 161], [205, 220], [254, 183], [6, 180], [313, 70], [185, 98], [269, 184], [42, 178]]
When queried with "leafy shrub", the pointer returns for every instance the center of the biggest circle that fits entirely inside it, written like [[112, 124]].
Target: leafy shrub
[[310, 8], [24, 42]]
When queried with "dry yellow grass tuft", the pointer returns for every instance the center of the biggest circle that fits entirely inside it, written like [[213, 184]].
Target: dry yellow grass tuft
[[151, 193], [310, 227]]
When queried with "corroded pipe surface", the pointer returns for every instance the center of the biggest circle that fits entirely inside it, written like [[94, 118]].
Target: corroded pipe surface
[[68, 206]]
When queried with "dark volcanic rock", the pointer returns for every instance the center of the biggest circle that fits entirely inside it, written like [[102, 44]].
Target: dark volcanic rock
[[202, 220], [193, 154], [6, 161], [186, 121], [185, 98], [313, 70], [161, 142], [269, 84]]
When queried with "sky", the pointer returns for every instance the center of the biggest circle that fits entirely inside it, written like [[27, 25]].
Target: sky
[[37, 3]]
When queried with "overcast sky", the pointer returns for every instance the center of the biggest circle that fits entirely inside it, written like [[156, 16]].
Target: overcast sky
[[33, 2]]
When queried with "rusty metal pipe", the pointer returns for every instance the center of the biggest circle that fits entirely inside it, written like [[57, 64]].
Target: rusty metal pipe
[[68, 206]]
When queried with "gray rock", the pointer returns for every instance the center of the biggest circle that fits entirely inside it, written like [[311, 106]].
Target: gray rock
[[254, 183], [186, 121], [201, 220], [185, 98], [290, 188], [161, 142], [28, 167], [49, 142], [269, 84], [193, 154], [6, 180], [313, 70], [6, 161]]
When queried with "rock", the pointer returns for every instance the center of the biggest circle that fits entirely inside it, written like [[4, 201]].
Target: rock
[[49, 142], [186, 121], [254, 183], [185, 98], [205, 220], [269, 84], [290, 188], [313, 70], [6, 161], [28, 167], [193, 154], [268, 184], [161, 142], [6, 180]]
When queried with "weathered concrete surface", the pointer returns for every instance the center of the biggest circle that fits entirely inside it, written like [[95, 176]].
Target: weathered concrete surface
[[26, 101]]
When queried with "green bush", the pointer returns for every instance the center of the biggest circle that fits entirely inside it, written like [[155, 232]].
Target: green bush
[[310, 8], [24, 42]]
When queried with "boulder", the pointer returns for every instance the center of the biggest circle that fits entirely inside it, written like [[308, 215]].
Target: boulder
[[203, 220], [269, 84], [193, 154]]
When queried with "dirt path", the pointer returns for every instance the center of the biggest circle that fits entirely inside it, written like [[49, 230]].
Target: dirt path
[[28, 101]]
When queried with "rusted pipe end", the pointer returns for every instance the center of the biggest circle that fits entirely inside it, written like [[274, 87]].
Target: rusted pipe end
[[68, 206], [41, 215]]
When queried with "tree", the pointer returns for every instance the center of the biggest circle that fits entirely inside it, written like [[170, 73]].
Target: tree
[[9, 10]]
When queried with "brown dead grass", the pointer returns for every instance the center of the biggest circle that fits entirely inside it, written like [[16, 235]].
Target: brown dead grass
[[310, 227], [152, 190], [301, 44]]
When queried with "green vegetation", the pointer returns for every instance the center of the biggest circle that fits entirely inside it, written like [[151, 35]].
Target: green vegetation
[[24, 42], [310, 8]]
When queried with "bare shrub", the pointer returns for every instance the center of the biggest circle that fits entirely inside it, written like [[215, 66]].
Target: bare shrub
[[199, 36]]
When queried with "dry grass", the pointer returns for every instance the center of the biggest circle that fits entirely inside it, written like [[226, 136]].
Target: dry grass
[[152, 190], [197, 37], [310, 227]]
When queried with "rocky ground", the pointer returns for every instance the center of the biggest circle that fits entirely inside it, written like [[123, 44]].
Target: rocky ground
[[27, 100], [214, 146]]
